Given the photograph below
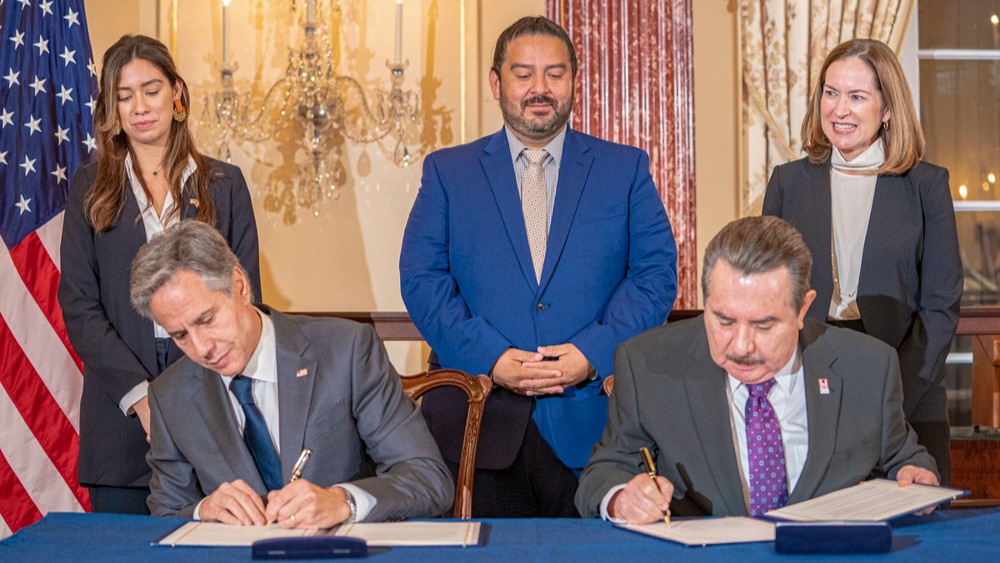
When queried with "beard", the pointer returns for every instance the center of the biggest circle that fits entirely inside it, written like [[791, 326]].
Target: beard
[[516, 117]]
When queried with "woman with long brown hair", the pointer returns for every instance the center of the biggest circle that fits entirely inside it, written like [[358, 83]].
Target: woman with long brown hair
[[880, 223], [148, 176]]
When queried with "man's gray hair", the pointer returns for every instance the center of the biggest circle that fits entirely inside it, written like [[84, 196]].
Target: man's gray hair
[[190, 245], [756, 245]]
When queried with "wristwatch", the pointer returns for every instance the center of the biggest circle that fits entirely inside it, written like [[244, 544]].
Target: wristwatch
[[353, 506]]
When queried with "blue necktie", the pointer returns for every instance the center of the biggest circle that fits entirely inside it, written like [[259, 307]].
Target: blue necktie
[[766, 452], [255, 434]]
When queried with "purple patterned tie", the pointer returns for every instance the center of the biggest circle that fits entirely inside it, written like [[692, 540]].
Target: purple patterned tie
[[768, 479]]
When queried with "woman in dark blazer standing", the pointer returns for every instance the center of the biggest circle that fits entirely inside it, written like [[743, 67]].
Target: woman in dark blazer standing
[[880, 224], [147, 177]]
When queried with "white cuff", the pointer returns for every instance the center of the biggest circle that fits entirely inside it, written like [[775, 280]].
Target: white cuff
[[362, 498], [197, 509], [133, 397], [606, 500]]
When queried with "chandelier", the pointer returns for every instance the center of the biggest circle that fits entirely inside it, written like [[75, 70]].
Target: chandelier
[[312, 100]]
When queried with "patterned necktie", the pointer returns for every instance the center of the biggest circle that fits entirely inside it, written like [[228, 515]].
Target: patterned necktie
[[255, 434], [768, 478], [534, 205]]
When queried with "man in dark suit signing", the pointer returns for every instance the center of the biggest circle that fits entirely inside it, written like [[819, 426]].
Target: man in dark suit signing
[[257, 388], [752, 406]]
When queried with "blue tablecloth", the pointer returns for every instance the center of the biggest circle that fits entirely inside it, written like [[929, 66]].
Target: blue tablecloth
[[973, 535]]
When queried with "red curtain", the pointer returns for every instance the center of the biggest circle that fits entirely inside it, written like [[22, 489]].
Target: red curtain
[[636, 87]]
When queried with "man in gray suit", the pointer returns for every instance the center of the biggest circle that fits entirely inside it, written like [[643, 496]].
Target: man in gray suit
[[257, 388], [752, 406]]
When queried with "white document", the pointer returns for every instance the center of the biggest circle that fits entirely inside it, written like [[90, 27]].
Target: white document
[[394, 534], [708, 531], [872, 501], [217, 534]]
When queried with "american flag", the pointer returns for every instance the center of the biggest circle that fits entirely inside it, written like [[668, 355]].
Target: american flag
[[47, 82]]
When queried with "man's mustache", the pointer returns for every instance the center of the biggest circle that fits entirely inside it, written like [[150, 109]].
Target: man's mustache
[[747, 360], [539, 99]]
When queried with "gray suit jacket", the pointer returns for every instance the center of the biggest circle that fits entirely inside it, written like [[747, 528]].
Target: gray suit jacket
[[669, 394], [348, 408]]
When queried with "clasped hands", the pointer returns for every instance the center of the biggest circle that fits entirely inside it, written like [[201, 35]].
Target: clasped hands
[[549, 370], [643, 501], [299, 504]]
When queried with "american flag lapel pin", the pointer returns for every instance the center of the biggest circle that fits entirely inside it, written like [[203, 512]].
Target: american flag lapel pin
[[302, 372], [824, 386]]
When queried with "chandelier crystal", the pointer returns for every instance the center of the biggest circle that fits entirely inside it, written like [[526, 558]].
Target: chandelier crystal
[[327, 107]]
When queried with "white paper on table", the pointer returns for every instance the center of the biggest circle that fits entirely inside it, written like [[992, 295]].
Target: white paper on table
[[871, 501], [217, 534], [394, 534], [708, 531]]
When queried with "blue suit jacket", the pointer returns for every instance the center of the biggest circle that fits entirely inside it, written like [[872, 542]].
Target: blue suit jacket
[[467, 279]]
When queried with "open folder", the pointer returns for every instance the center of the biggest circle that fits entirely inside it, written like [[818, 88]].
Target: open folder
[[215, 534], [871, 501]]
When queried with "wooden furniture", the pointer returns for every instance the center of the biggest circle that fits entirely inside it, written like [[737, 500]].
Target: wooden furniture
[[477, 388]]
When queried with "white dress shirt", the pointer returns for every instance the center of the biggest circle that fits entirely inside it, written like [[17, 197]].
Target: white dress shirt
[[788, 398], [154, 225], [263, 370]]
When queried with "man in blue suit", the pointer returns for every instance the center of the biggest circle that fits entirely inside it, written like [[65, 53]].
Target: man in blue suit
[[530, 255]]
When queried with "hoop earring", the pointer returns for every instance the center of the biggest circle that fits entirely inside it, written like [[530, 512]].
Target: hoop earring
[[885, 126], [116, 128], [180, 114]]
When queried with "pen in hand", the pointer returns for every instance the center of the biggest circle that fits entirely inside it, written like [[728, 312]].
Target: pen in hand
[[647, 460], [300, 465]]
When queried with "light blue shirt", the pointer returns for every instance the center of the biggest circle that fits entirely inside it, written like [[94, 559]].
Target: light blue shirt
[[550, 165]]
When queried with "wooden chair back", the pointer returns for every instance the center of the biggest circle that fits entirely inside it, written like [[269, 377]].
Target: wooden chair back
[[477, 388]]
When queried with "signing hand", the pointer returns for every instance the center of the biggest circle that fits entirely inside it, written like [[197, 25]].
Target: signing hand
[[642, 500], [300, 504], [570, 367], [233, 503], [910, 474]]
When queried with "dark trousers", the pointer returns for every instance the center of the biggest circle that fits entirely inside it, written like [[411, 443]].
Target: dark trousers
[[537, 485], [121, 500]]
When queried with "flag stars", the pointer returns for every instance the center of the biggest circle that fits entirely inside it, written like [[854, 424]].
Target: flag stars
[[92, 67], [38, 85], [18, 39], [90, 105], [59, 173], [64, 94], [23, 205], [28, 165], [5, 117], [43, 45], [3, 157], [25, 3], [32, 125], [46, 8], [67, 56], [11, 78], [72, 17], [90, 143], [62, 135]]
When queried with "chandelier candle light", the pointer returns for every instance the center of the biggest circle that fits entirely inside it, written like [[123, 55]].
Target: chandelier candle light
[[328, 107]]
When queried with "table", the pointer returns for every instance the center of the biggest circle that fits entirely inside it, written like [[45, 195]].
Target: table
[[972, 534]]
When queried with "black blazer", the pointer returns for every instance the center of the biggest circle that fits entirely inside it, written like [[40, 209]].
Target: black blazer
[[114, 342], [911, 273]]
